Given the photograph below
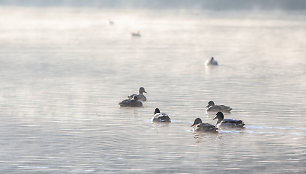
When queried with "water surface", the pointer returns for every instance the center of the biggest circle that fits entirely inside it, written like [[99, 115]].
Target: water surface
[[63, 72]]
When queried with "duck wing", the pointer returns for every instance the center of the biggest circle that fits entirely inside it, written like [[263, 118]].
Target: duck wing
[[225, 108], [206, 127], [233, 123], [125, 102], [214, 108], [139, 96]]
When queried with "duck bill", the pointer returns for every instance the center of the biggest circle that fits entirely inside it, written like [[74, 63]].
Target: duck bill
[[215, 117], [192, 125], [207, 106]]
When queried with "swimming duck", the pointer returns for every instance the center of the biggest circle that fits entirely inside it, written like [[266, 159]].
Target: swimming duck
[[211, 61], [211, 107], [206, 127], [136, 34], [131, 102], [228, 122], [160, 117], [140, 95]]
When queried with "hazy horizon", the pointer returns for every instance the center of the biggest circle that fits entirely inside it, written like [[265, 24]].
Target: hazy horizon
[[170, 4]]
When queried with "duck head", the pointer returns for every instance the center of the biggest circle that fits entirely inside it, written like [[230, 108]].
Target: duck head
[[156, 111], [210, 103], [220, 117], [142, 90], [196, 121]]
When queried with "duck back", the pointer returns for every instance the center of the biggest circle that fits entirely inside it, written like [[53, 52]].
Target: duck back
[[205, 127], [232, 123], [161, 117], [130, 103]]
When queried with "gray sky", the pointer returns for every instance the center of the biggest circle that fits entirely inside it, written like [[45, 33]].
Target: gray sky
[[165, 4]]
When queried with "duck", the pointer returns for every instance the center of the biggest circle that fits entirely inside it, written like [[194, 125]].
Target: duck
[[198, 125], [136, 34], [229, 123], [160, 117], [211, 61], [140, 95], [212, 107], [131, 102]]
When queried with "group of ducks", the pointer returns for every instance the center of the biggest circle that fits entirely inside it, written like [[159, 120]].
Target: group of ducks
[[135, 100]]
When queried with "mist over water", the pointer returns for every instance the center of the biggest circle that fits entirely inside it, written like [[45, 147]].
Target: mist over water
[[64, 70], [219, 5]]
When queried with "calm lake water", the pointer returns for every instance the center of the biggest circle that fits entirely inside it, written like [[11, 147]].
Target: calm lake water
[[63, 72]]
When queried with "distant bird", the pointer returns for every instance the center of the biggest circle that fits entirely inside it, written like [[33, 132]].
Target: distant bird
[[131, 102], [211, 61], [110, 22], [229, 123], [160, 117], [136, 34], [212, 107], [205, 127], [140, 95]]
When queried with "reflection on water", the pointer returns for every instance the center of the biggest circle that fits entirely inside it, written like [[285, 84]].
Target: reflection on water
[[63, 73]]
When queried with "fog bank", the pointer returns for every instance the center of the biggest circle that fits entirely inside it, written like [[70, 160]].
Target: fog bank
[[169, 4]]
